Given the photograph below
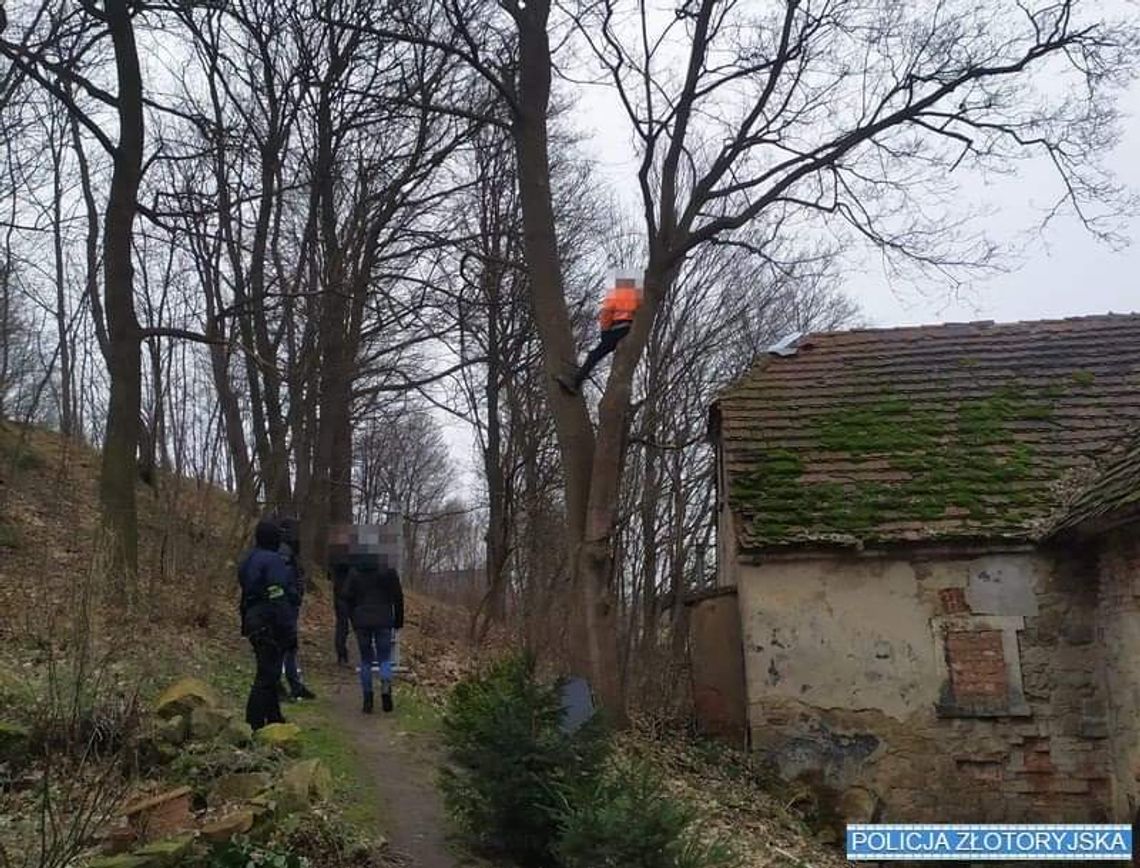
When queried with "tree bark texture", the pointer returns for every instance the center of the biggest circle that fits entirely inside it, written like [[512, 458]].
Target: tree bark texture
[[120, 451]]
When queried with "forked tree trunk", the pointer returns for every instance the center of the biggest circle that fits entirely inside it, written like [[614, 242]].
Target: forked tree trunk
[[120, 451], [591, 468]]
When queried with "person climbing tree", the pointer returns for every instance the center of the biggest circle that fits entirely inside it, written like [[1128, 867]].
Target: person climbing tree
[[616, 316], [267, 620], [291, 553], [376, 601]]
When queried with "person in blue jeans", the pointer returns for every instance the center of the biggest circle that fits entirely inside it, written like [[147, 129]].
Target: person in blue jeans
[[375, 602]]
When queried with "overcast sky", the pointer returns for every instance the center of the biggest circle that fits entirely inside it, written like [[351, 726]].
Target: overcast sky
[[1062, 272]]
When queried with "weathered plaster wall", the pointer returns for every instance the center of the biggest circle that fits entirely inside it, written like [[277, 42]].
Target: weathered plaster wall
[[716, 667], [1119, 634], [850, 682]]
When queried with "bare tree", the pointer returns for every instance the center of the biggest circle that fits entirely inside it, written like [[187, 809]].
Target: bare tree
[[50, 55], [775, 112]]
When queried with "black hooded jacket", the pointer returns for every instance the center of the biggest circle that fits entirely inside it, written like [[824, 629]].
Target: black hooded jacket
[[267, 584], [290, 550], [374, 596]]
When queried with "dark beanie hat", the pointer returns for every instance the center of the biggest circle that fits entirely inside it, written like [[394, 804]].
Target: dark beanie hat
[[267, 535]]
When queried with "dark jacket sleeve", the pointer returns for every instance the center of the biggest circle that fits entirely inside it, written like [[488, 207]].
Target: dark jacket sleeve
[[251, 579], [296, 586], [397, 600]]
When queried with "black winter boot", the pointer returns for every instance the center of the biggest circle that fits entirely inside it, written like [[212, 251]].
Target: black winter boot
[[302, 692], [386, 701], [367, 703]]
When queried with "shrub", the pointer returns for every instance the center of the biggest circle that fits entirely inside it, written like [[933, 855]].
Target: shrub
[[511, 769], [627, 820], [241, 853], [328, 841]]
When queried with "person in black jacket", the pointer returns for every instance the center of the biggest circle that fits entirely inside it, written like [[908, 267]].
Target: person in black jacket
[[338, 566], [267, 620], [291, 553], [376, 603]]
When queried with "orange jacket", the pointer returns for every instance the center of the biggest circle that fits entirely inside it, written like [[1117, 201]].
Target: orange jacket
[[619, 307]]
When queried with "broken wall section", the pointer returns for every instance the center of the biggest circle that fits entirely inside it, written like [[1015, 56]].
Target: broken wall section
[[955, 688], [1119, 634]]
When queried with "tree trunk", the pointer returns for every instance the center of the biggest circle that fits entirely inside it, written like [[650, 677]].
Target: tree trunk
[[231, 412], [66, 376], [120, 450], [589, 515], [92, 240], [493, 606], [275, 466], [334, 396]]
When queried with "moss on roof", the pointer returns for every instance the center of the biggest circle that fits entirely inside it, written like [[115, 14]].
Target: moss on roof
[[902, 436], [962, 459]]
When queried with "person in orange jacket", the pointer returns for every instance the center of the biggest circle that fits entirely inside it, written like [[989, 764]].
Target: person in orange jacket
[[615, 319]]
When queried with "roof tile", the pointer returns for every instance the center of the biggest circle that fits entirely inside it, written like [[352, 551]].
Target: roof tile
[[965, 430]]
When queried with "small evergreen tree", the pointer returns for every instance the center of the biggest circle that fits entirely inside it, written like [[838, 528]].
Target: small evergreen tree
[[626, 819], [511, 768]]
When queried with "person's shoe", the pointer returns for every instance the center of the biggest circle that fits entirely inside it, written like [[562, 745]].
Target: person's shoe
[[567, 384], [386, 702], [367, 703], [302, 692]]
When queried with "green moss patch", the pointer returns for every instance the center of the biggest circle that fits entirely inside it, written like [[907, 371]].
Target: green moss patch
[[354, 789], [961, 460]]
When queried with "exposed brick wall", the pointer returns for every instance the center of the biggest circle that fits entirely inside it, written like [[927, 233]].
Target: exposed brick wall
[[1051, 763], [977, 668]]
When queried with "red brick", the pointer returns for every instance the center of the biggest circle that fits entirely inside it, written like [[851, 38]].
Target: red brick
[[953, 601], [1040, 783], [976, 664], [1038, 763]]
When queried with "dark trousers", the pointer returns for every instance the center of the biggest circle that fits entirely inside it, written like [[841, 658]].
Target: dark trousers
[[611, 337], [340, 639], [264, 705], [375, 645], [292, 672]]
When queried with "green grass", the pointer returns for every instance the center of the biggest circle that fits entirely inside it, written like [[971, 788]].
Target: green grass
[[21, 456], [354, 791], [415, 712]]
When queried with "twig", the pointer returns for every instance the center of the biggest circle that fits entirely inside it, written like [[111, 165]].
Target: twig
[[791, 858]]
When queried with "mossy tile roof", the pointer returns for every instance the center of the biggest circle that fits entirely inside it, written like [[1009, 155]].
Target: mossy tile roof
[[961, 431]]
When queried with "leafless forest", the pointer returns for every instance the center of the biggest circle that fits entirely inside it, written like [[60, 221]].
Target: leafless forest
[[273, 244]]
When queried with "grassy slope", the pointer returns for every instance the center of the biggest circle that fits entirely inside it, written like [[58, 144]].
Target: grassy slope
[[184, 623]]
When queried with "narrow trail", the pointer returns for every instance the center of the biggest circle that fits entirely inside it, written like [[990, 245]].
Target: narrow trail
[[403, 767]]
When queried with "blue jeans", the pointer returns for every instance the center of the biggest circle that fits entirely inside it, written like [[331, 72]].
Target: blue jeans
[[375, 645]]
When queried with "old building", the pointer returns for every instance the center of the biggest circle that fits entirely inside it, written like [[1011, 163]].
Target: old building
[[933, 537]]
